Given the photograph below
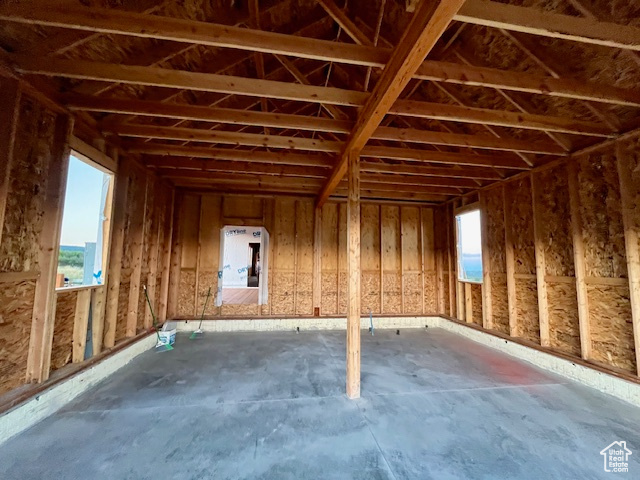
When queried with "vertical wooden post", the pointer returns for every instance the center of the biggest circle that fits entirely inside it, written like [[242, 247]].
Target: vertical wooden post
[[43, 319], [630, 218], [381, 242], [353, 309], [10, 100], [510, 263], [487, 306], [153, 237], [460, 299], [450, 258], [97, 318], [137, 238], [541, 264], [317, 260], [578, 258], [401, 259], [468, 303], [117, 249], [81, 324], [166, 261], [422, 263], [196, 290], [99, 297], [176, 257]]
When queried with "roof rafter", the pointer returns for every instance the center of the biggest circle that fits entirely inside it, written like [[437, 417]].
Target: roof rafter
[[537, 22], [425, 28], [187, 31]]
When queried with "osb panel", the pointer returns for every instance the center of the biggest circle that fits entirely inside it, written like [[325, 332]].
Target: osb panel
[[329, 238], [16, 308], [370, 237], [555, 229], [27, 187], [62, 346], [240, 310], [446, 294], [428, 239], [210, 232], [242, 207], [410, 235], [370, 291], [284, 236], [495, 230], [189, 219], [390, 221], [186, 293], [601, 213], [611, 327], [143, 306], [282, 293], [134, 224], [304, 293], [527, 309], [412, 292], [207, 280], [329, 294], [392, 293], [518, 193], [343, 294], [499, 302], [631, 162], [476, 298], [123, 307], [564, 327], [304, 236], [430, 296]]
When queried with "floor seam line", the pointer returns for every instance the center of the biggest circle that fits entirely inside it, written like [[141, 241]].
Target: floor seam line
[[375, 440]]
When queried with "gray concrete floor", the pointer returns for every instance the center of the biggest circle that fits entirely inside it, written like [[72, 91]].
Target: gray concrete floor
[[271, 406]]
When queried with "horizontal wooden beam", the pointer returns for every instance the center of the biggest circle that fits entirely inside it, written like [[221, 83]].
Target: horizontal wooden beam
[[548, 24], [166, 165], [228, 138], [113, 21], [185, 80], [205, 114], [179, 79], [501, 118], [400, 179], [446, 172], [302, 122], [434, 156], [318, 145], [427, 137], [282, 157]]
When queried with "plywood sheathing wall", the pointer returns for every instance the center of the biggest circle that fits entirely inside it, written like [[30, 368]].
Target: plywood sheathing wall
[[30, 168], [34, 161], [533, 216], [398, 252]]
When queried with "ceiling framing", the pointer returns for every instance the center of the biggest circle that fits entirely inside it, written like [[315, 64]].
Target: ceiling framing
[[275, 94]]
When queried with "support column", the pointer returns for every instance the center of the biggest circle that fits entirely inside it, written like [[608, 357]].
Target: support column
[[10, 100], [630, 218], [578, 258], [49, 242], [353, 306]]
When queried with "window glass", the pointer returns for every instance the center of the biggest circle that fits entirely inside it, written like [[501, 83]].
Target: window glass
[[469, 246]]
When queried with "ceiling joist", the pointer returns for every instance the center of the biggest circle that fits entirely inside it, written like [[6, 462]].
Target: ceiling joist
[[112, 21]]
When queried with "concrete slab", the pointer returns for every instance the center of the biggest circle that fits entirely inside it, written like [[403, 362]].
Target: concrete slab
[[271, 405]]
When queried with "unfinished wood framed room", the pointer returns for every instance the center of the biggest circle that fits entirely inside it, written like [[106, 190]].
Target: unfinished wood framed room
[[434, 212]]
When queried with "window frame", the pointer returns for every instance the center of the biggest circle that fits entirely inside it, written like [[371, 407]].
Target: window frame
[[107, 165], [472, 207]]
